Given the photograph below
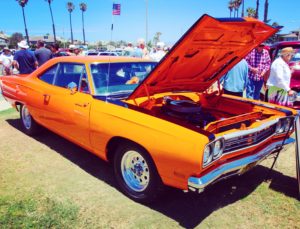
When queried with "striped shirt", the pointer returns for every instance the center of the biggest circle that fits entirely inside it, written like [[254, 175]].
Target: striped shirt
[[260, 60]]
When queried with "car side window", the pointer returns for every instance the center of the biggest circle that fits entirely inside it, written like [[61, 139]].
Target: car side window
[[48, 75], [68, 73]]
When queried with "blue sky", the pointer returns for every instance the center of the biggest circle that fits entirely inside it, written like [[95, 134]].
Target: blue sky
[[171, 18]]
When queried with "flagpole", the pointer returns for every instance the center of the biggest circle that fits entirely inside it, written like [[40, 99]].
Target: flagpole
[[146, 23], [111, 37], [112, 25]]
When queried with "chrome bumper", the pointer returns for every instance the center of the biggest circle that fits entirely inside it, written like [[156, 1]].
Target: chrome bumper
[[235, 167]]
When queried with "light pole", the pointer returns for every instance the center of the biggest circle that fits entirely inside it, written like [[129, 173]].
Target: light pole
[[146, 23]]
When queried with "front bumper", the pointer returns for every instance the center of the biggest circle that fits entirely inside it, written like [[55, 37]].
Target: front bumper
[[235, 167]]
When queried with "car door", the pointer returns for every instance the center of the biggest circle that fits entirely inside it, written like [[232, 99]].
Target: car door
[[67, 103]]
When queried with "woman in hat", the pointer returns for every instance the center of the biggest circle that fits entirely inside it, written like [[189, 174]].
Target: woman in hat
[[278, 83]]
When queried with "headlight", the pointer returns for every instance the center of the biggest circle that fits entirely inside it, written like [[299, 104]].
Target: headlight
[[280, 127], [287, 124], [207, 156], [284, 125], [218, 149]]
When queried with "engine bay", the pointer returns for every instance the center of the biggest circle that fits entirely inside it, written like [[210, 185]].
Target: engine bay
[[210, 112]]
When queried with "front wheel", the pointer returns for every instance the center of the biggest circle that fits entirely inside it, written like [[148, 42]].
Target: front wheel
[[29, 125], [136, 174]]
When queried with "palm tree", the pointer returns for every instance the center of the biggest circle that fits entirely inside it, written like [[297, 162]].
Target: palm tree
[[49, 1], [157, 37], [230, 6], [257, 7], [71, 7], [237, 4], [266, 11], [83, 8], [243, 5], [22, 3], [251, 12]]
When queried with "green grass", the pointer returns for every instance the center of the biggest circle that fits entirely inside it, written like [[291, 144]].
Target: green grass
[[36, 212], [8, 113], [48, 182]]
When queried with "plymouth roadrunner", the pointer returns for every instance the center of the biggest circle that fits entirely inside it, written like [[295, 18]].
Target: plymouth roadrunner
[[165, 124]]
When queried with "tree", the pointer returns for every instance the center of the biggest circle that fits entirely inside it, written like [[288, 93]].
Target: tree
[[15, 39], [157, 37], [71, 7], [257, 8], [243, 5], [266, 11], [230, 6], [83, 8], [23, 3], [251, 12], [236, 5], [53, 26]]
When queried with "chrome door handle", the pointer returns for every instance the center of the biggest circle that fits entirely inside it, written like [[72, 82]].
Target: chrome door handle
[[82, 104]]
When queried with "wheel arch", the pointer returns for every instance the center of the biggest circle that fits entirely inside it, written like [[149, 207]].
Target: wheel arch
[[113, 144]]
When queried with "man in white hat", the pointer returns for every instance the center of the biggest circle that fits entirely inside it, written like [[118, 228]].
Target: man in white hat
[[6, 59], [24, 60]]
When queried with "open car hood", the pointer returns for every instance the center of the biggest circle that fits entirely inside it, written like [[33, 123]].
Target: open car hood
[[209, 49]]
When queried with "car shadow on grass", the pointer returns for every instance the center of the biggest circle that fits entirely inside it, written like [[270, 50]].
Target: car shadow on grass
[[188, 209]]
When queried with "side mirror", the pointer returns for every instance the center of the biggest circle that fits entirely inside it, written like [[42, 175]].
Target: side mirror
[[72, 87]]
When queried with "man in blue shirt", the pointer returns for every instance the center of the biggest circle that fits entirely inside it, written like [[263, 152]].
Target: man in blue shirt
[[24, 60], [42, 54], [235, 81]]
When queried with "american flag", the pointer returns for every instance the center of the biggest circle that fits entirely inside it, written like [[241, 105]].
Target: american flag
[[116, 9]]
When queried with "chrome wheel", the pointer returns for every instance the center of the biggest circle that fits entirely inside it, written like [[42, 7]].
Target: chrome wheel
[[135, 171], [26, 118]]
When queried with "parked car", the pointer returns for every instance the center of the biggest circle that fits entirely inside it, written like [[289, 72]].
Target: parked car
[[159, 124], [294, 65], [92, 53], [108, 53]]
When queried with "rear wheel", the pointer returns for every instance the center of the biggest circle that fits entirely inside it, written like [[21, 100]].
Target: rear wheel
[[136, 174], [29, 125]]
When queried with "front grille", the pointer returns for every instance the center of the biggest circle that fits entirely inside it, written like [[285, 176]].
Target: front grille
[[249, 139]]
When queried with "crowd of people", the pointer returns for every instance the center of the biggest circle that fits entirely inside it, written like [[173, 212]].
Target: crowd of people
[[141, 51], [249, 76], [26, 61]]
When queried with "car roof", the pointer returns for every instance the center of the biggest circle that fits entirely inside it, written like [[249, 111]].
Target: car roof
[[92, 59], [286, 43]]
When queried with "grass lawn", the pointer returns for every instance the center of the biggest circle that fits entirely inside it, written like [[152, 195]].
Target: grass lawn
[[48, 182]]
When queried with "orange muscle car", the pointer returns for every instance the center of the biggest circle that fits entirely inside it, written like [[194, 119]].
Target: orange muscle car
[[159, 124]]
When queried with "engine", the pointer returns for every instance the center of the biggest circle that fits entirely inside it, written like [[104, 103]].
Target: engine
[[187, 110]]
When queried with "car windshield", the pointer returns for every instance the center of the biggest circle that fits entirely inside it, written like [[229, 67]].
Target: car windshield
[[119, 78]]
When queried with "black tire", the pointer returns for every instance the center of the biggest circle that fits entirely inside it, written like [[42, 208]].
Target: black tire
[[141, 182], [30, 126]]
